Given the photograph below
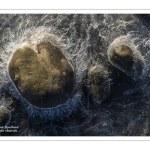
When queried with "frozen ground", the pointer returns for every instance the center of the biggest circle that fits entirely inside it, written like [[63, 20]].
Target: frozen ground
[[84, 40]]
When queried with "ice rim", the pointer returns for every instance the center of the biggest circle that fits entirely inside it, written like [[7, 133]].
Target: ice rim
[[123, 40], [37, 35]]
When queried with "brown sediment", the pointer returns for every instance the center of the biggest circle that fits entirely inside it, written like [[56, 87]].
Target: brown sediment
[[123, 57], [98, 84], [124, 54], [45, 78], [4, 116]]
